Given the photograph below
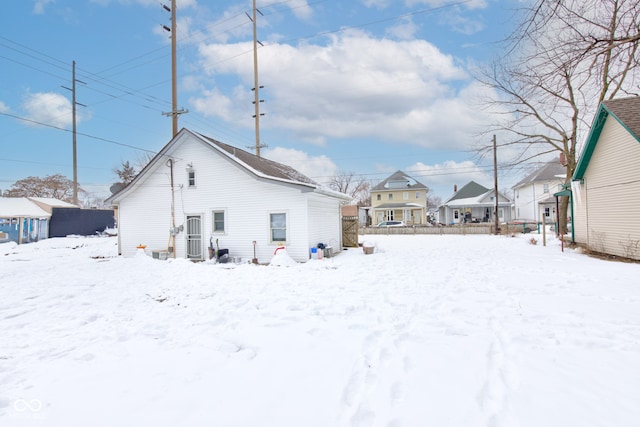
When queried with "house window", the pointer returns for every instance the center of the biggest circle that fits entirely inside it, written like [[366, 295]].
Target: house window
[[379, 197], [547, 212], [278, 227], [191, 175], [405, 195], [218, 221], [390, 196], [390, 215], [417, 194], [545, 187]]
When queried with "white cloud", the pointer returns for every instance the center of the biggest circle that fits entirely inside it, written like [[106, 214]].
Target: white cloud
[[300, 9], [442, 177], [318, 168], [379, 4], [405, 30], [356, 86], [48, 108], [3, 107], [39, 6]]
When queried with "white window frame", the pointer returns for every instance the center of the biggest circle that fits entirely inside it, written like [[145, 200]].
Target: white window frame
[[405, 195], [213, 221], [286, 227], [191, 178]]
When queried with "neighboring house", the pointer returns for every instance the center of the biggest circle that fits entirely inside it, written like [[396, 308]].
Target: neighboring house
[[606, 182], [22, 221], [473, 203], [533, 196], [198, 191], [399, 198]]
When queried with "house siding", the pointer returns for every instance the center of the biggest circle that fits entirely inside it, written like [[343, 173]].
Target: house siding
[[610, 201], [326, 225], [528, 196], [223, 185]]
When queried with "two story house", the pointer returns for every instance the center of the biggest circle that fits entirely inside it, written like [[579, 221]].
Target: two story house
[[533, 195], [399, 198]]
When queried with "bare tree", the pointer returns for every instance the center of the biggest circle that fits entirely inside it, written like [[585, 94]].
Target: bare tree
[[354, 186], [563, 60], [56, 186]]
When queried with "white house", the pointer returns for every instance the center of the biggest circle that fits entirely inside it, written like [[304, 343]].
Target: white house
[[473, 203], [198, 191], [22, 220], [606, 182], [533, 195]]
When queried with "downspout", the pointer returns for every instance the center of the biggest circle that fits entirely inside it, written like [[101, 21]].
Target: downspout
[[573, 236], [172, 233]]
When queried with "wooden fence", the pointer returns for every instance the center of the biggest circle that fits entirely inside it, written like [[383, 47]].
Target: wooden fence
[[482, 228]]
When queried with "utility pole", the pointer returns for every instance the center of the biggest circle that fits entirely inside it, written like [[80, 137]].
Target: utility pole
[[174, 113], [496, 222], [74, 130], [256, 87]]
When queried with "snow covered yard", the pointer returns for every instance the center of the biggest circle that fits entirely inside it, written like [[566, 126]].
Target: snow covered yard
[[428, 331]]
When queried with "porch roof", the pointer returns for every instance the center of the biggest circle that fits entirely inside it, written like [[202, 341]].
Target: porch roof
[[20, 207], [398, 206]]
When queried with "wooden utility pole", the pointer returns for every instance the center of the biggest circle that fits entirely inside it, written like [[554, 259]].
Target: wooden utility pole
[[73, 112], [174, 113], [496, 222], [74, 103], [256, 86]]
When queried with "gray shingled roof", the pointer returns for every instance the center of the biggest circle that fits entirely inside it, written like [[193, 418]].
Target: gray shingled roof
[[262, 165], [413, 184], [626, 110], [548, 172], [471, 189]]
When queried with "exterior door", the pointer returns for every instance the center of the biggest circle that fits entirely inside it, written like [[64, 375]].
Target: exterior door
[[194, 237]]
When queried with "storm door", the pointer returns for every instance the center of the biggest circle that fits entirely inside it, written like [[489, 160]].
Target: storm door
[[194, 237]]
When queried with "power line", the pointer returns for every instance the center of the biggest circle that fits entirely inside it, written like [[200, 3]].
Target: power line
[[78, 133]]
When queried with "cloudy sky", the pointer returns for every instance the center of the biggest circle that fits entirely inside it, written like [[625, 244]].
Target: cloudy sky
[[363, 86]]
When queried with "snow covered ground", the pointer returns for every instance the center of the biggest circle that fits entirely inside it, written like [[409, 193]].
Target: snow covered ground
[[428, 331]]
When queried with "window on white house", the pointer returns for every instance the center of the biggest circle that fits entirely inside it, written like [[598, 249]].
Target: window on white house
[[545, 187], [390, 196], [379, 197], [417, 194], [547, 212], [218, 222], [278, 226], [390, 215], [191, 175], [405, 195]]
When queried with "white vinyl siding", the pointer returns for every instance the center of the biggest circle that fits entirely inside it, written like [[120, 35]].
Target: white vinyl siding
[[610, 197], [145, 214]]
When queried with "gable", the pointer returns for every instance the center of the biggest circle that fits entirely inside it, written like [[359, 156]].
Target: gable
[[625, 111], [257, 167], [548, 172], [470, 190], [399, 181]]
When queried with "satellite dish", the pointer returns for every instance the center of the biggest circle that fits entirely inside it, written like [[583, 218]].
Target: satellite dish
[[116, 187]]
